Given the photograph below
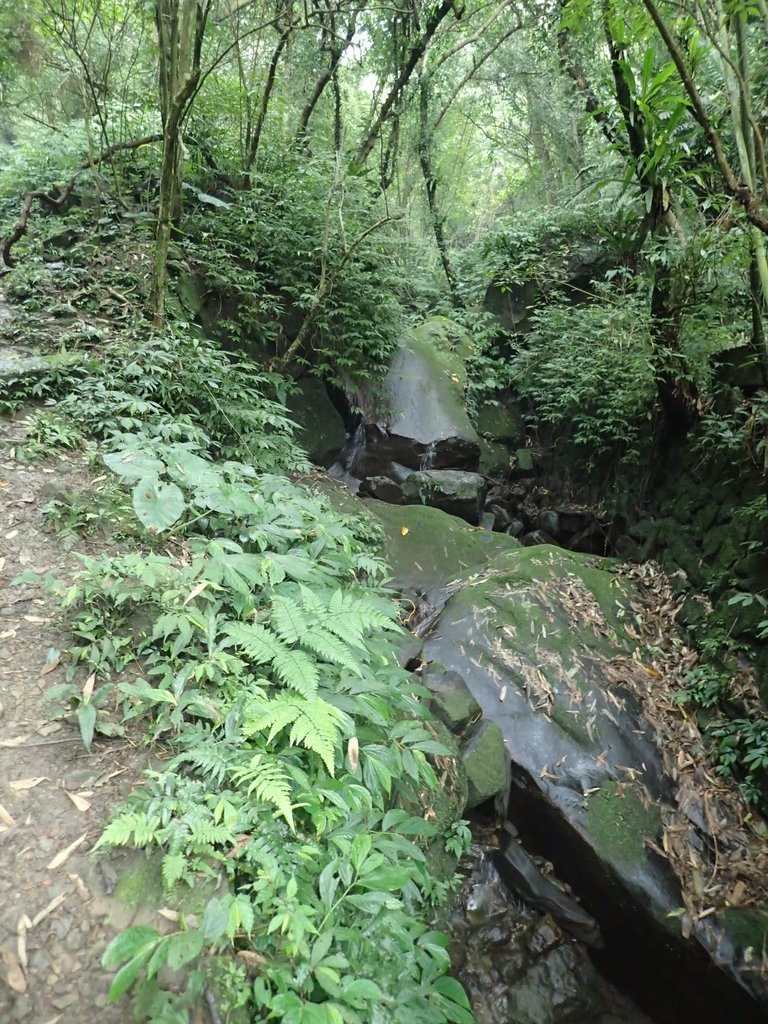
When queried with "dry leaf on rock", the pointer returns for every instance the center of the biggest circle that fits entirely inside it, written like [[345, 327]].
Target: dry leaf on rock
[[20, 784], [6, 818], [80, 802], [53, 905], [64, 855], [14, 975], [17, 741], [21, 939]]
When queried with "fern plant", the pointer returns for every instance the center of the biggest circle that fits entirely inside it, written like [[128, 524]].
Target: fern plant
[[302, 754]]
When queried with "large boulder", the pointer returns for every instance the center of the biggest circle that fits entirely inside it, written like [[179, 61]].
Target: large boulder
[[418, 418], [546, 642], [321, 428], [457, 493]]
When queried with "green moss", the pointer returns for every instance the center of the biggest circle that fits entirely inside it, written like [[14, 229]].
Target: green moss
[[748, 929], [141, 883], [572, 725], [618, 822]]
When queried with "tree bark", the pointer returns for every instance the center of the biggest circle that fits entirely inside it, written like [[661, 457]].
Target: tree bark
[[180, 31], [426, 160]]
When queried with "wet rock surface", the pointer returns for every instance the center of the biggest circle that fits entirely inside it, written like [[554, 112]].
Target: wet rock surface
[[418, 419], [458, 494], [520, 966], [546, 641]]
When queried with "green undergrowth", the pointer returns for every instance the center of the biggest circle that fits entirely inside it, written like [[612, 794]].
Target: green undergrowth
[[250, 632]]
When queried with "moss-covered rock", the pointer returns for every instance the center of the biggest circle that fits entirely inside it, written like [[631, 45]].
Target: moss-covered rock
[[501, 421], [619, 821], [417, 416], [451, 699], [494, 459], [458, 493], [321, 429], [486, 763]]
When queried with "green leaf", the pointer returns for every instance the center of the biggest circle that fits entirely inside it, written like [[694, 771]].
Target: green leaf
[[127, 944], [453, 990], [215, 919], [133, 465], [126, 976], [86, 719], [183, 947], [157, 505], [360, 991]]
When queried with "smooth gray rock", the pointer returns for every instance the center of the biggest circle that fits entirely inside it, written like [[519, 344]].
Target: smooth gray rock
[[460, 494]]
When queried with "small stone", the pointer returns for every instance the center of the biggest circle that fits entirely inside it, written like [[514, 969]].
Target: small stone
[[537, 537]]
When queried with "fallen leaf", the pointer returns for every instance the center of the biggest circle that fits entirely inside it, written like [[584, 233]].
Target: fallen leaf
[[195, 591], [88, 688], [82, 889], [404, 531], [53, 905], [19, 784], [64, 855], [14, 975], [21, 939], [6, 818], [50, 667], [11, 534], [503, 694], [17, 741], [34, 618], [80, 803], [353, 753]]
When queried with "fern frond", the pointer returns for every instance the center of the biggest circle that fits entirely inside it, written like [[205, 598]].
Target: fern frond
[[260, 644], [287, 619], [269, 782], [174, 867], [315, 724], [297, 670], [331, 648]]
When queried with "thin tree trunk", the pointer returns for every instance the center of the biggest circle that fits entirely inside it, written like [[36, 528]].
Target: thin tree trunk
[[417, 51], [269, 85], [426, 160]]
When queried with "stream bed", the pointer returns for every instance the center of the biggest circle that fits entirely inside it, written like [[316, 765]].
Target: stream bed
[[518, 966]]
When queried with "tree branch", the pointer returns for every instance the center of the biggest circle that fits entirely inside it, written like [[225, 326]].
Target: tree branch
[[57, 201]]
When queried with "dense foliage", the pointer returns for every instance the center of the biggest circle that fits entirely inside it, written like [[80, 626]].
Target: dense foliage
[[582, 186]]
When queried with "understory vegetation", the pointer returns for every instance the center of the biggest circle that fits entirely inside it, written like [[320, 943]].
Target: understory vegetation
[[246, 628], [200, 204]]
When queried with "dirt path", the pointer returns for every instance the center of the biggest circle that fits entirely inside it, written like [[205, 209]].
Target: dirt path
[[54, 909]]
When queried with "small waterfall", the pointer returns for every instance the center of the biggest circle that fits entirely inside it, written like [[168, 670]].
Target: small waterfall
[[354, 448], [429, 456], [344, 468]]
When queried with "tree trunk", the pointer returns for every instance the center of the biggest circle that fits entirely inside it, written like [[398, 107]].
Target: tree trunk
[[426, 159]]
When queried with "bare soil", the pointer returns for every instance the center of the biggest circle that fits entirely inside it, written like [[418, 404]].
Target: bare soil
[[57, 913]]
